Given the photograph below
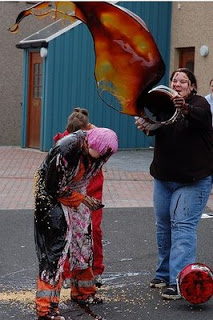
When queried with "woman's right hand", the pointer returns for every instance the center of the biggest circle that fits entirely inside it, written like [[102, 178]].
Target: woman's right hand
[[92, 203], [179, 103]]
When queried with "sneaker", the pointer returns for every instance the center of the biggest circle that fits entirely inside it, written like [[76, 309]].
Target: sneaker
[[171, 293], [157, 283], [98, 281]]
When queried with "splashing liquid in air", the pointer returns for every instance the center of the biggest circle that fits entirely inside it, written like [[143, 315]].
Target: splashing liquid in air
[[128, 63]]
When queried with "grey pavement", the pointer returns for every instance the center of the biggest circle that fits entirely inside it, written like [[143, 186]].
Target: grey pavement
[[131, 161], [130, 258]]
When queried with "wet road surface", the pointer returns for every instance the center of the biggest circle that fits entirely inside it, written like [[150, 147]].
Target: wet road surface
[[130, 259]]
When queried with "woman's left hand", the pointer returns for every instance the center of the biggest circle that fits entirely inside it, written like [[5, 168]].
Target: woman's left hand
[[142, 125]]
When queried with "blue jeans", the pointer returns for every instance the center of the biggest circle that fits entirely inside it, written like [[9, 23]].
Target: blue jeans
[[178, 209]]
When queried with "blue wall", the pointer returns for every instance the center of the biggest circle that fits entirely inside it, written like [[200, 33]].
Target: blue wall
[[69, 78]]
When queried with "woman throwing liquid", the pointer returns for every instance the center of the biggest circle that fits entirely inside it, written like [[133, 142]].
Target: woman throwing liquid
[[182, 169]]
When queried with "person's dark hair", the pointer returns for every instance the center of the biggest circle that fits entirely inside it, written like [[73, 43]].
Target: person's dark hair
[[210, 81], [78, 119], [189, 74]]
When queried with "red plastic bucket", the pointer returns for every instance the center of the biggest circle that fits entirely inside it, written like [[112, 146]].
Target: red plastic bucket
[[195, 283]]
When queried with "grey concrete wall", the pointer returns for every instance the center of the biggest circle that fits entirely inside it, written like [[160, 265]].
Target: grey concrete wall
[[11, 65], [192, 26]]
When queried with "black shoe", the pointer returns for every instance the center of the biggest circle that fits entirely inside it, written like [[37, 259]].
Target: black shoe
[[98, 281], [67, 283], [157, 283], [171, 293], [89, 301]]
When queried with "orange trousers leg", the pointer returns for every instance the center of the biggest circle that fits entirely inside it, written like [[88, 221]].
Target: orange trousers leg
[[47, 297], [82, 284]]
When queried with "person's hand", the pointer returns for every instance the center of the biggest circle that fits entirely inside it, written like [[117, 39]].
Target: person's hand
[[92, 203], [142, 124], [179, 103]]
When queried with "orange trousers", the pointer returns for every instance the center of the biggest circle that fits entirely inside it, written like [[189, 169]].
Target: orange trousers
[[48, 296]]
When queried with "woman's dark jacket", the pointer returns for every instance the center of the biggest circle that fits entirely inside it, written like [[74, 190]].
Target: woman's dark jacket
[[184, 150]]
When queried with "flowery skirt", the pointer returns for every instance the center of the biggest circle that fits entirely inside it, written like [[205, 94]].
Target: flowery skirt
[[79, 246]]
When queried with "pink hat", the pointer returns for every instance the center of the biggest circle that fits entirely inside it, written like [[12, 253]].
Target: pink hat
[[102, 140]]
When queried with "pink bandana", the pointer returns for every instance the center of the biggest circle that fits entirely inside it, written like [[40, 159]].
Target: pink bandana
[[102, 139]]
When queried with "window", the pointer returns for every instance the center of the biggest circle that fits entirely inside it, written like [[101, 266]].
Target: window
[[37, 79], [186, 58]]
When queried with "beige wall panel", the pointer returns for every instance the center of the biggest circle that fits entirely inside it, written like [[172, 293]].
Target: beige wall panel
[[192, 26], [11, 62]]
